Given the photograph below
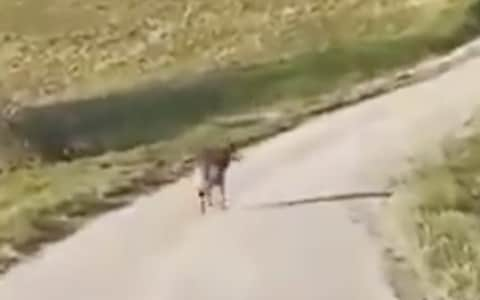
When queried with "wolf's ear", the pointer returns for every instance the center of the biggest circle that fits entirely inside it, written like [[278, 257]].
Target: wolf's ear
[[231, 146]]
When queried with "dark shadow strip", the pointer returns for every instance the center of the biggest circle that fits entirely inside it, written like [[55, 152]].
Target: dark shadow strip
[[327, 198]]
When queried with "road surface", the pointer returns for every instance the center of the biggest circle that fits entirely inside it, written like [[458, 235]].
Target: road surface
[[161, 248]]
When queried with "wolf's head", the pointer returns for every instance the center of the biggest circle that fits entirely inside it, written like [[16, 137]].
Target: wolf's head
[[232, 150]]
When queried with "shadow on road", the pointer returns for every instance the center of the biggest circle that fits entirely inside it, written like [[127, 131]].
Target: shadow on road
[[327, 198]]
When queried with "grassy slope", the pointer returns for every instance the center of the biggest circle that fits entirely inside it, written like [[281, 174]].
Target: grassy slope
[[437, 219], [127, 38], [50, 200]]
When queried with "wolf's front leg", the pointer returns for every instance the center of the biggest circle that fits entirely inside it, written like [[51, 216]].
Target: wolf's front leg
[[204, 200], [203, 208], [225, 203]]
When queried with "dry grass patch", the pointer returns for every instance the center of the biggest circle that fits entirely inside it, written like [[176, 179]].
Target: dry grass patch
[[437, 220], [79, 44]]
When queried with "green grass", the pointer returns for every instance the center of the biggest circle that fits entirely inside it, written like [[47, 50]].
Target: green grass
[[437, 219], [138, 137], [156, 113]]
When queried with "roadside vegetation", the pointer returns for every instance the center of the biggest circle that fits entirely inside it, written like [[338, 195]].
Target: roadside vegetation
[[75, 44], [436, 219], [135, 90]]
